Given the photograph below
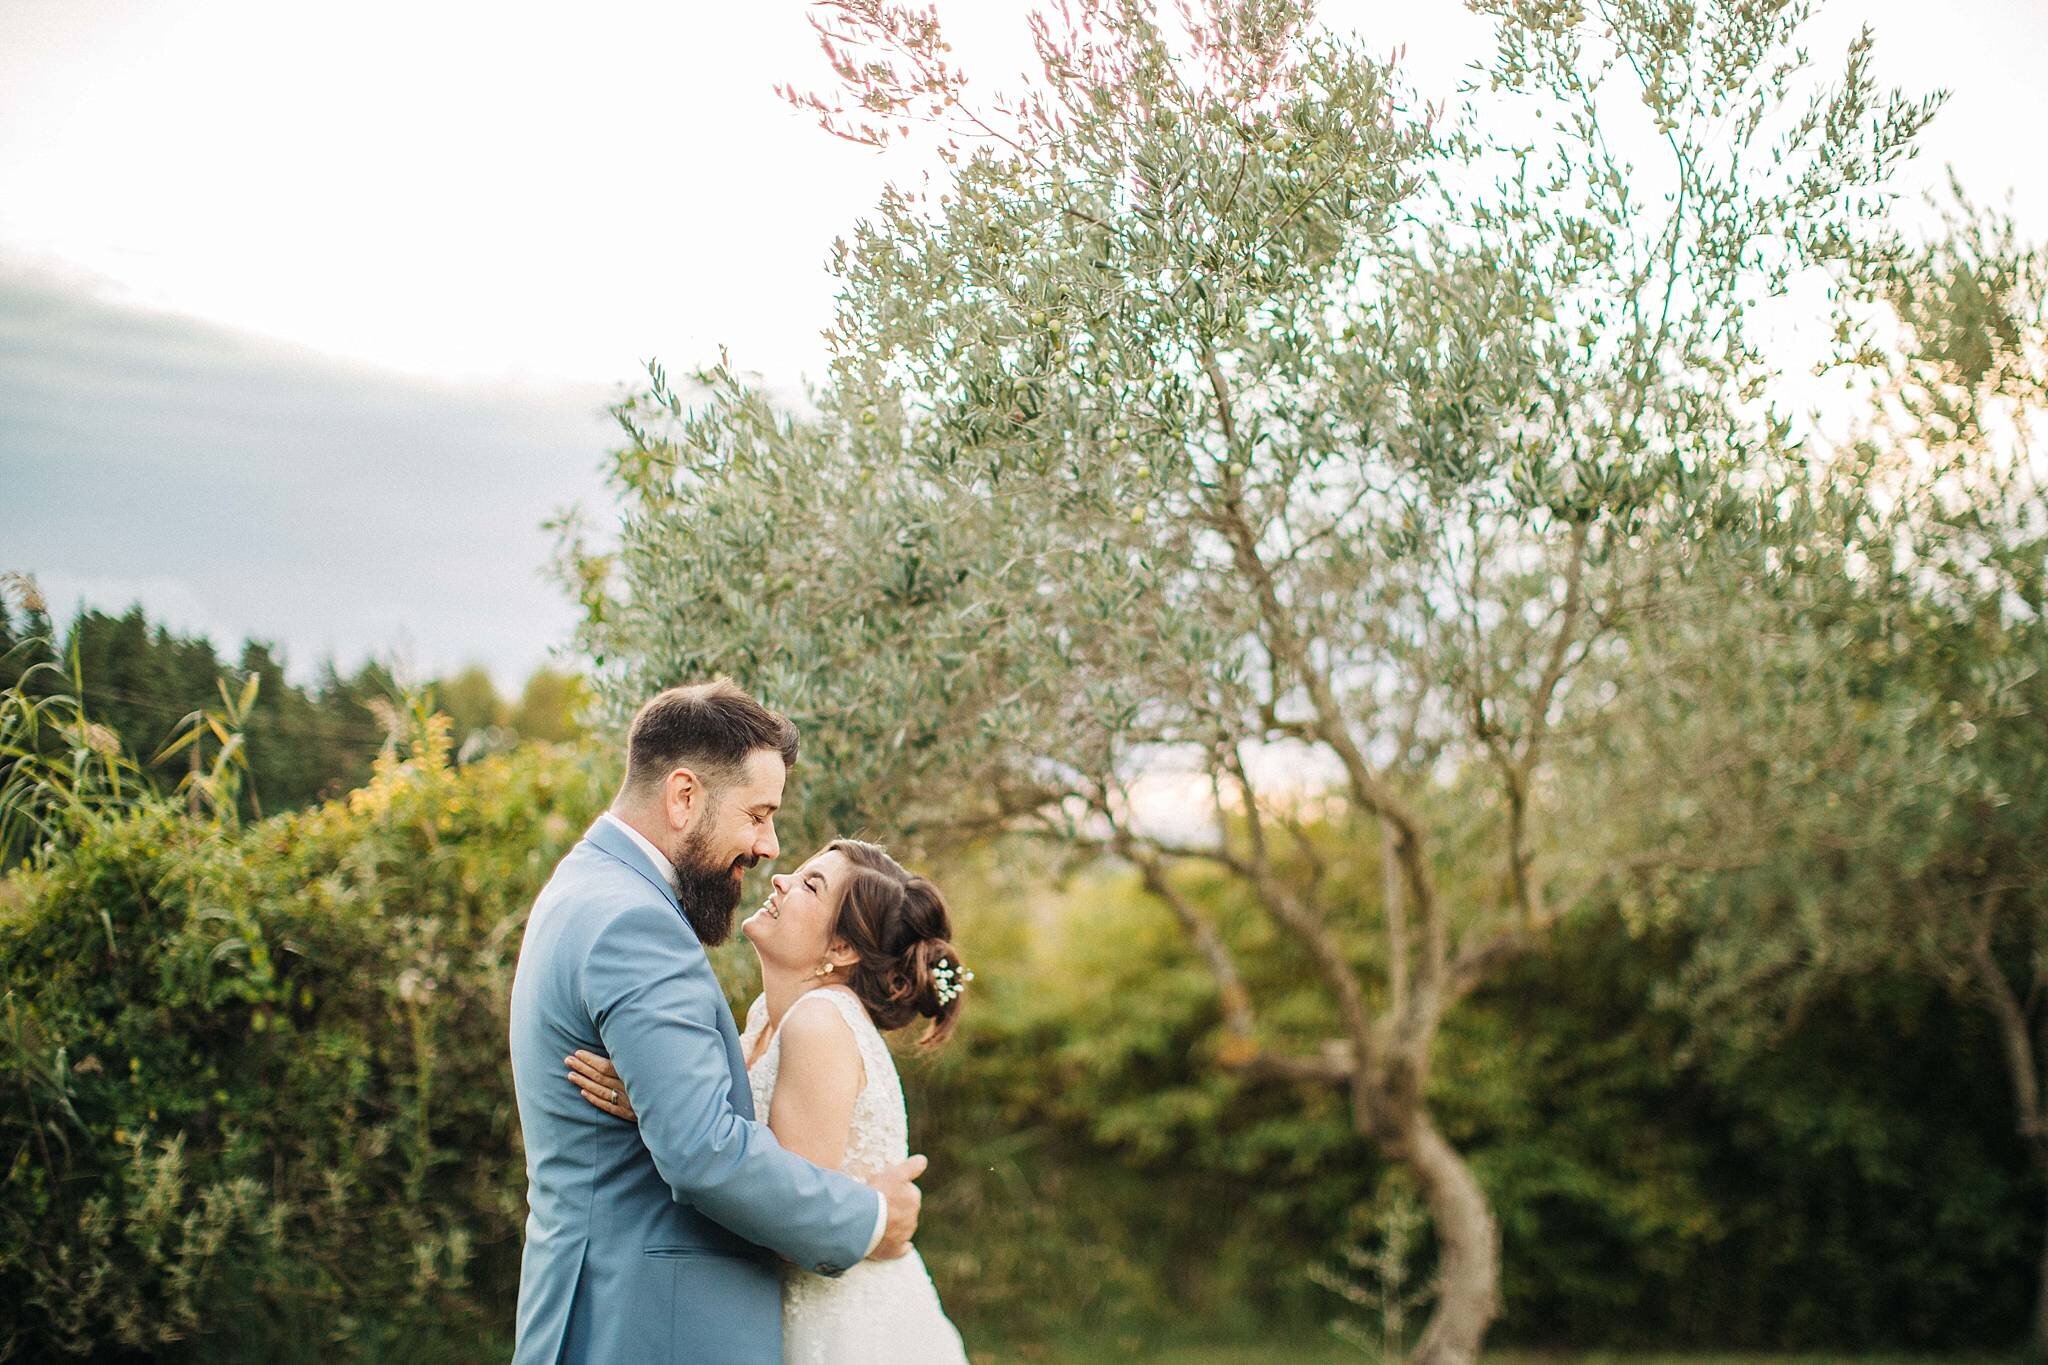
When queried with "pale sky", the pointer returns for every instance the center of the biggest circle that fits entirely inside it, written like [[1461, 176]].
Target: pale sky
[[367, 272]]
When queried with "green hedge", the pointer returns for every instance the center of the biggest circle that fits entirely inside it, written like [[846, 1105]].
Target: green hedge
[[255, 1083], [254, 1104], [1855, 1184]]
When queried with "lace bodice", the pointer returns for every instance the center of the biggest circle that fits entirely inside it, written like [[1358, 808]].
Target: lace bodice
[[880, 1136]]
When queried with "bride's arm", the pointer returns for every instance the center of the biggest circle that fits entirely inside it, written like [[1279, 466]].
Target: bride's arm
[[599, 1080], [821, 1076]]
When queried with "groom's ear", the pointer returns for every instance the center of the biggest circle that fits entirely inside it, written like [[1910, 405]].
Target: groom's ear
[[683, 796]]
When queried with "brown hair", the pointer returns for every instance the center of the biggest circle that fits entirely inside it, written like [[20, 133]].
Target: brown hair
[[710, 727], [898, 922]]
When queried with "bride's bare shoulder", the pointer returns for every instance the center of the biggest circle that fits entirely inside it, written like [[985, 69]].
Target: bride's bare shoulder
[[816, 1035]]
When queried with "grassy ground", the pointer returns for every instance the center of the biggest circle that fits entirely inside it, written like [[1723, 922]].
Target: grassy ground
[[1329, 1352]]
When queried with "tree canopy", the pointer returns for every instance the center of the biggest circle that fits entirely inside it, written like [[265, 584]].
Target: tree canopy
[[1227, 434]]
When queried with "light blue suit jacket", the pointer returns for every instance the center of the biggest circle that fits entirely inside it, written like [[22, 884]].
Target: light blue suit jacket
[[651, 1243]]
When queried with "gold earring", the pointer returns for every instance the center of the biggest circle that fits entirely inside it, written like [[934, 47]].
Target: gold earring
[[825, 970]]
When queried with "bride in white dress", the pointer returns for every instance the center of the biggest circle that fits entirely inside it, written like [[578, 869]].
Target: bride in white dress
[[850, 944]]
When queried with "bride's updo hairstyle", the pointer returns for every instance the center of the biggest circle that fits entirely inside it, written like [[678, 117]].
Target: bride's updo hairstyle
[[897, 921]]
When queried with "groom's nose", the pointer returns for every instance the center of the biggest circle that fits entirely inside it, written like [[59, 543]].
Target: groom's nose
[[765, 845]]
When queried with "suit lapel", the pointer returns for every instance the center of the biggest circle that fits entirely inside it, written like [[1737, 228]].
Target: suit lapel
[[609, 839]]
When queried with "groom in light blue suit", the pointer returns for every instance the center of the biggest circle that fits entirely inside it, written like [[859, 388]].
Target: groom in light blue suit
[[658, 1241]]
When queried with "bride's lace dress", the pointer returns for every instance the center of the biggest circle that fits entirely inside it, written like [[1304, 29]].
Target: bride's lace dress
[[879, 1312]]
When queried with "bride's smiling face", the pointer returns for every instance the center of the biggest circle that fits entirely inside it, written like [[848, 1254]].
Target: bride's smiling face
[[793, 927]]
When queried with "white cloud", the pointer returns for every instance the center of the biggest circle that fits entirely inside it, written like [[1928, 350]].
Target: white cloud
[[238, 488]]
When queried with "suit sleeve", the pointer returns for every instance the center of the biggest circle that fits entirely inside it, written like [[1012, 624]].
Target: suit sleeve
[[650, 991]]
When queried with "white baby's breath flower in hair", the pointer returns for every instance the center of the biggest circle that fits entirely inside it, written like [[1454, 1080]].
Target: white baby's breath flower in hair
[[952, 980]]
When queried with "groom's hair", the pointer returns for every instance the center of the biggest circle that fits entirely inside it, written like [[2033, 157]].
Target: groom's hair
[[709, 728]]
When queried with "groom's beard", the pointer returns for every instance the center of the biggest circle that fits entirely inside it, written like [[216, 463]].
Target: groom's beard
[[708, 892]]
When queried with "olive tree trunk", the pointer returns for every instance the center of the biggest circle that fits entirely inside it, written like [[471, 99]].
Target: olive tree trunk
[[1468, 1248]]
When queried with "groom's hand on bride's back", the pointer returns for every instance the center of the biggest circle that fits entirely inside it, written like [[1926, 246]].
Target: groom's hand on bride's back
[[898, 1185], [599, 1081]]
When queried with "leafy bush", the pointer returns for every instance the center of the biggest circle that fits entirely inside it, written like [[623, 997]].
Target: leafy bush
[[1851, 1182], [255, 1081]]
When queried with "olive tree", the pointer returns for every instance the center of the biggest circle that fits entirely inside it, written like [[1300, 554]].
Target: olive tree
[[1225, 439], [1856, 712]]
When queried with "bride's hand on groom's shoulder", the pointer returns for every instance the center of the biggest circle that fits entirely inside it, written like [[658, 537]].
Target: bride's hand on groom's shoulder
[[898, 1185], [599, 1081]]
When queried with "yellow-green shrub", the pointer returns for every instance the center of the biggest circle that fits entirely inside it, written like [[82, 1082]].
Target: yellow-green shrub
[[253, 1087]]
